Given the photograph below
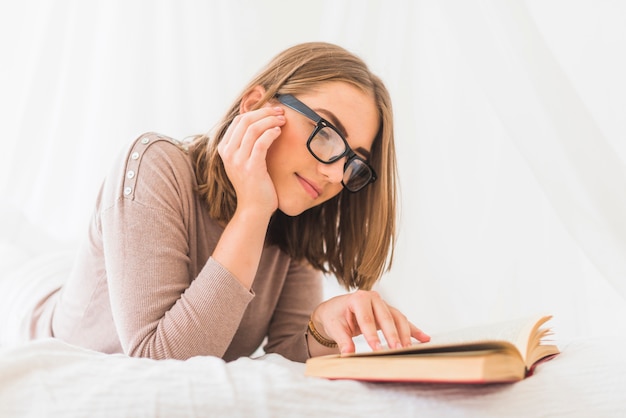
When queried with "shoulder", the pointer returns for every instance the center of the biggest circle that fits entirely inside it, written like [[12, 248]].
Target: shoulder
[[152, 166], [155, 149]]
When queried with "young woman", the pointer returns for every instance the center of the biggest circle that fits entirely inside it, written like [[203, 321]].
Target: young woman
[[212, 246]]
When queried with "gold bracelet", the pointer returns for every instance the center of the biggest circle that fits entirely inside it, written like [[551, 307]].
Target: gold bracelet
[[319, 338]]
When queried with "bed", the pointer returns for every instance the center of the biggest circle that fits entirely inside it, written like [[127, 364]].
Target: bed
[[49, 378]]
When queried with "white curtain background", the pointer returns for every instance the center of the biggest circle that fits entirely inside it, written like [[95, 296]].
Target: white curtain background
[[511, 133]]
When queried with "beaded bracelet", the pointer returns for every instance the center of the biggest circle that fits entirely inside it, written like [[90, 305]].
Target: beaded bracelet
[[319, 338]]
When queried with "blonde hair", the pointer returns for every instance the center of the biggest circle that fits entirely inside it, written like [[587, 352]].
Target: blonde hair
[[352, 235]]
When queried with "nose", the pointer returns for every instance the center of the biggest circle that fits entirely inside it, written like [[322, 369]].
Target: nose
[[333, 171]]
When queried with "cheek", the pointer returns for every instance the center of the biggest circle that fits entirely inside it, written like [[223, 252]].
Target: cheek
[[287, 148], [277, 150], [331, 192]]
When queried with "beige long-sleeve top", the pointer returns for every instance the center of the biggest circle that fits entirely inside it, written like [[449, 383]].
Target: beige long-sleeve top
[[145, 284]]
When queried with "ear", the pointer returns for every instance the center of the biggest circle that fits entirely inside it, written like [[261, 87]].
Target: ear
[[251, 99]]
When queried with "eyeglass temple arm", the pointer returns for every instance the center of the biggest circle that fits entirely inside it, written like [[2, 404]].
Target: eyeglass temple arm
[[298, 106]]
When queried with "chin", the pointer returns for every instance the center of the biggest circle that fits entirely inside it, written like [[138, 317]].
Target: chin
[[293, 207], [291, 211]]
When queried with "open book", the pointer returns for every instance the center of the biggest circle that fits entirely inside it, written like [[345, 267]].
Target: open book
[[502, 352]]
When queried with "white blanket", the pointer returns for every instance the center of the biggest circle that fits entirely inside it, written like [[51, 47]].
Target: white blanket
[[49, 378]]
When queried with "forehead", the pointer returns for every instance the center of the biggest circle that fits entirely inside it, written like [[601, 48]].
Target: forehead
[[344, 105]]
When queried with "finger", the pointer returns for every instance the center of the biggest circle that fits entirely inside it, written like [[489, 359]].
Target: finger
[[263, 143], [387, 319], [366, 318], [255, 162], [418, 334], [240, 126], [345, 343], [342, 334], [229, 131], [256, 131], [404, 328]]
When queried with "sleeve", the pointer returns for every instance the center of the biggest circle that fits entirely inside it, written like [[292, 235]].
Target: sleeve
[[158, 309], [301, 293]]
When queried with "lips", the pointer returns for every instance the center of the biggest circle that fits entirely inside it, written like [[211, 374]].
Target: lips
[[309, 187]]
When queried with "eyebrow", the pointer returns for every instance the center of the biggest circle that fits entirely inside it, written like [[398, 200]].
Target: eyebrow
[[337, 124], [333, 119], [363, 151]]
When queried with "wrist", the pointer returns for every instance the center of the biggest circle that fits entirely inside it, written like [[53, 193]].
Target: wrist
[[322, 339], [253, 213]]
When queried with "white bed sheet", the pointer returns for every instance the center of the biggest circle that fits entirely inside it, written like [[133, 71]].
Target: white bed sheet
[[49, 378]]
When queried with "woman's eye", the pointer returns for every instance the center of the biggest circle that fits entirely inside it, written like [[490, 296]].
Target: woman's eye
[[324, 135]]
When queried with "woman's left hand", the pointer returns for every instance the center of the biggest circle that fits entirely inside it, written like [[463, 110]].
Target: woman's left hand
[[364, 312]]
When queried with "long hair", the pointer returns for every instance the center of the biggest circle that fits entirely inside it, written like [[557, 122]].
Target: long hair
[[350, 236]]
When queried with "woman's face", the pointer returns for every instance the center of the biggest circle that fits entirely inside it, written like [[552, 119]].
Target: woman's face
[[300, 180]]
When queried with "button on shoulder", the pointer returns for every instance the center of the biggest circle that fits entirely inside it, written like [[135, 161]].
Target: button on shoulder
[[133, 162]]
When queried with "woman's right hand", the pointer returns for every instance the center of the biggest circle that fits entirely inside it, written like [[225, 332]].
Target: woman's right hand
[[243, 150]]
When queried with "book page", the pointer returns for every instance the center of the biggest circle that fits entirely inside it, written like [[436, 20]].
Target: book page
[[515, 332]]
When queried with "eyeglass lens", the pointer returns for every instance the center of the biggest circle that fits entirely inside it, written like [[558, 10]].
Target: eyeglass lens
[[356, 175], [328, 146]]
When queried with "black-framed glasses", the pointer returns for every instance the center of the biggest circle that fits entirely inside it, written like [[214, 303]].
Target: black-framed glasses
[[328, 145]]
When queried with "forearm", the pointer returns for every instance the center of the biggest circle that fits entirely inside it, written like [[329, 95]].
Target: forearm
[[202, 321], [241, 244], [159, 309]]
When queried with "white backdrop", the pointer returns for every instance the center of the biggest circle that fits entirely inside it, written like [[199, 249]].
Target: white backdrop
[[511, 132]]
